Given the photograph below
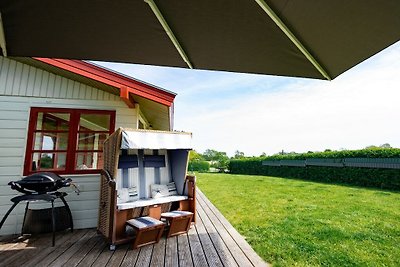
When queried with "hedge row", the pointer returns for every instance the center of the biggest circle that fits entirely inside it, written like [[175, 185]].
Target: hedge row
[[362, 153], [199, 166], [367, 177]]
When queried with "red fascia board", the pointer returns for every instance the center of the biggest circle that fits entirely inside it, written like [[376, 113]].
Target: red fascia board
[[111, 78], [126, 97]]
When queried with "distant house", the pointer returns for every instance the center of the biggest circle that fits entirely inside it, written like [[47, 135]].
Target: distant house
[[54, 116]]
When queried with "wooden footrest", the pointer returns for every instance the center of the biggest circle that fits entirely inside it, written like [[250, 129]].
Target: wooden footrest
[[148, 230], [178, 221]]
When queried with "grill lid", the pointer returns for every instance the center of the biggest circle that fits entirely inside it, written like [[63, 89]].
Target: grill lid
[[40, 183]]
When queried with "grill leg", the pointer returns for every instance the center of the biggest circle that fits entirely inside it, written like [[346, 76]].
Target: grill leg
[[8, 213], [71, 222], [23, 222], [53, 221]]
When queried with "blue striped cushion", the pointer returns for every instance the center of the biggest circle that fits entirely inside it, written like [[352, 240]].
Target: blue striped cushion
[[127, 194], [172, 189]]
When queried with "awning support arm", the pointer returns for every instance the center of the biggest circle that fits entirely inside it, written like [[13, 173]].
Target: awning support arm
[[2, 38], [169, 32], [292, 37]]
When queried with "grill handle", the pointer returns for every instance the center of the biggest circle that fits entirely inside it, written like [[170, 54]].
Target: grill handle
[[18, 187]]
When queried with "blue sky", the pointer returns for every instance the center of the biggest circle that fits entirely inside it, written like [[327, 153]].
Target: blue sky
[[260, 113]]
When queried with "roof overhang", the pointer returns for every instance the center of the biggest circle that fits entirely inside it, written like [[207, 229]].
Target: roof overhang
[[113, 79], [156, 104]]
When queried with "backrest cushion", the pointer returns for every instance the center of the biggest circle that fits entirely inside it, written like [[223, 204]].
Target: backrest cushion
[[172, 189], [127, 194], [159, 190]]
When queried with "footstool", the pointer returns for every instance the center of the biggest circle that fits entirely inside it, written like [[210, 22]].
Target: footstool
[[148, 230], [178, 221]]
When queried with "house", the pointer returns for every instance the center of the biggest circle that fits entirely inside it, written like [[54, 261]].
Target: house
[[55, 115]]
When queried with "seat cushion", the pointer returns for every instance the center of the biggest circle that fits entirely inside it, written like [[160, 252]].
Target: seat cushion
[[176, 213], [143, 222]]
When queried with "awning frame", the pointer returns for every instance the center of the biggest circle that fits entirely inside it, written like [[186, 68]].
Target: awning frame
[[268, 10]]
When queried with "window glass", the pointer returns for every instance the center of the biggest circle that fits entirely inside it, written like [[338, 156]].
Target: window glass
[[94, 122], [50, 141], [48, 161], [89, 160], [91, 141], [53, 121]]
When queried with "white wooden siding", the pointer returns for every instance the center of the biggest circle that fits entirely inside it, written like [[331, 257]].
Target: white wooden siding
[[23, 87]]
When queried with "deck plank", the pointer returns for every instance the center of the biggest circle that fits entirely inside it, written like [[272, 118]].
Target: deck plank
[[118, 256], [144, 256], [18, 256], [171, 252], [104, 257], [209, 250], [130, 257], [238, 254], [66, 255], [47, 249], [184, 254], [16, 243], [223, 251], [241, 242], [60, 248], [198, 256], [83, 251], [93, 254], [158, 257], [212, 241]]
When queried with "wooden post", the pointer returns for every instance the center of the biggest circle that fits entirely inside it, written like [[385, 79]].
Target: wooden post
[[191, 184]]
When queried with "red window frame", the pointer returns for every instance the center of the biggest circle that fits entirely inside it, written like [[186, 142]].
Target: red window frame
[[73, 135]]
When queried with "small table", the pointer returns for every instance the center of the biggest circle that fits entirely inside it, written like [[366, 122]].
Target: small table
[[178, 221], [44, 197]]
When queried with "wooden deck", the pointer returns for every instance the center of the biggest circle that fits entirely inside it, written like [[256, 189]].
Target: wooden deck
[[211, 242]]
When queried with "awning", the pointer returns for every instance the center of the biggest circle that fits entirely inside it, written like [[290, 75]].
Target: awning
[[302, 38], [145, 139]]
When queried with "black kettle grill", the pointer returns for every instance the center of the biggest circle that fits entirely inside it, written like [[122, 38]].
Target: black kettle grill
[[40, 183], [42, 186]]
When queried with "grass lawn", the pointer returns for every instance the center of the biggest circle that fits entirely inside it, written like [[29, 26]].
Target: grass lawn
[[292, 222]]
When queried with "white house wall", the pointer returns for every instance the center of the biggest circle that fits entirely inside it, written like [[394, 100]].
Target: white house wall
[[23, 86]]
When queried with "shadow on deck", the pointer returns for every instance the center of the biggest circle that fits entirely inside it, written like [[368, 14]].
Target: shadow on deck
[[211, 242]]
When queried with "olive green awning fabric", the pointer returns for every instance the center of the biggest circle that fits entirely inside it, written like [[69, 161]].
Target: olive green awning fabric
[[229, 35]]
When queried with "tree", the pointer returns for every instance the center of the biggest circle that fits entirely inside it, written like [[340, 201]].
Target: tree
[[219, 160], [194, 155], [386, 145], [212, 155], [239, 155]]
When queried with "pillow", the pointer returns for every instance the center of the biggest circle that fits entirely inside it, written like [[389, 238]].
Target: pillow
[[122, 195], [159, 190], [133, 193], [172, 189], [127, 194]]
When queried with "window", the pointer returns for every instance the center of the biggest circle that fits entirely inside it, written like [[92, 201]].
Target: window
[[67, 141]]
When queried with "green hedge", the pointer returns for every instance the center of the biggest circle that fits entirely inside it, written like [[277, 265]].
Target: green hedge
[[367, 177], [362, 153], [199, 166]]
